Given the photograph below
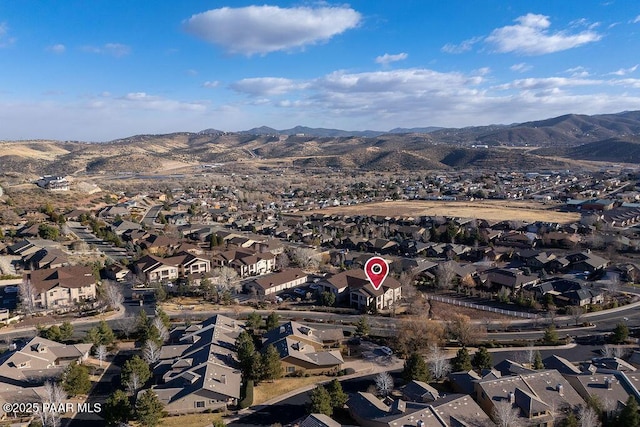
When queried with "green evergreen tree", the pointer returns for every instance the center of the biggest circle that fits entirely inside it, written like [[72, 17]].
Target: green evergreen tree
[[248, 357], [462, 361], [415, 368], [320, 401], [254, 321], [629, 416], [149, 409], [76, 380], [571, 421], [620, 333], [66, 330], [482, 359], [101, 335], [338, 396], [271, 365], [135, 365], [362, 327], [166, 321], [537, 361], [273, 320], [117, 409], [550, 335]]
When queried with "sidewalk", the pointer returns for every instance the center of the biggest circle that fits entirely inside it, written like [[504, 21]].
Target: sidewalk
[[19, 327]]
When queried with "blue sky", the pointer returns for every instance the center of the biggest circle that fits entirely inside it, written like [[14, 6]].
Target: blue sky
[[101, 70]]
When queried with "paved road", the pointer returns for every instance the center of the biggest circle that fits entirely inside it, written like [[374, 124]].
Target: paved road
[[151, 215], [92, 240]]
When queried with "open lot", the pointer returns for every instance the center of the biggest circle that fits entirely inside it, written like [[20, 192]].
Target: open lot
[[497, 210]]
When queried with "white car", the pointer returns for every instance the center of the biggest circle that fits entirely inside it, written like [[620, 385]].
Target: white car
[[299, 291], [386, 350]]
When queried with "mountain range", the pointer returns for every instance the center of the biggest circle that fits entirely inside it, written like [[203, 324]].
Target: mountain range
[[551, 143]]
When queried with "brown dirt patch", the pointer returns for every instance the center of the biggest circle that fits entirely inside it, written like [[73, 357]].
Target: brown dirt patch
[[497, 210]]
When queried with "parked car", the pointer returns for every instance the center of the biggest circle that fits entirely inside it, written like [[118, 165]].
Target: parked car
[[386, 350], [299, 291]]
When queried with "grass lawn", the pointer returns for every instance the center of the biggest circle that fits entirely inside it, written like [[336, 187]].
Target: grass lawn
[[267, 390], [191, 420]]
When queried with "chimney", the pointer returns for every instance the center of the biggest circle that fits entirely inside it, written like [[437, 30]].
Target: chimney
[[512, 397], [608, 383], [223, 379], [560, 390]]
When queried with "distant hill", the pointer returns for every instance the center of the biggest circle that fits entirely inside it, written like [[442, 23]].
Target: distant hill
[[608, 137]]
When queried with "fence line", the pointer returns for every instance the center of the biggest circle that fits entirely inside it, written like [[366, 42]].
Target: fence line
[[482, 307]]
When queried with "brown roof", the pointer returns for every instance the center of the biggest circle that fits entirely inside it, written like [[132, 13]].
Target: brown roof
[[283, 277], [356, 279], [67, 277]]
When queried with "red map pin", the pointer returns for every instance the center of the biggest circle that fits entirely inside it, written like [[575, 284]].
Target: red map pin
[[376, 270]]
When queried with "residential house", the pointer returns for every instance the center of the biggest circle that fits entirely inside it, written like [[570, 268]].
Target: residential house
[[271, 284], [197, 371], [46, 258], [353, 287], [183, 264], [612, 388], [509, 278], [300, 349], [62, 287], [540, 398], [245, 262], [451, 411], [39, 360], [568, 292], [587, 261]]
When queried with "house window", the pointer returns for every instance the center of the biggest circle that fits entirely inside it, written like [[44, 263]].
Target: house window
[[291, 369], [200, 404]]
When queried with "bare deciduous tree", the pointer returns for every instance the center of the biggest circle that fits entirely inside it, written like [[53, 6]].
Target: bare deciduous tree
[[609, 350], [504, 415], [525, 357], [227, 279], [112, 294], [127, 325], [576, 313], [461, 328], [163, 333], [133, 383], [384, 383], [151, 352], [282, 261], [27, 294], [588, 417], [438, 362], [53, 395], [306, 258], [101, 353], [445, 275]]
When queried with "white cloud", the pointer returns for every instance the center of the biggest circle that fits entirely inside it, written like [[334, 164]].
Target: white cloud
[[114, 49], [531, 36], [386, 59], [578, 72], [5, 41], [266, 86], [263, 29], [211, 84], [157, 103], [624, 71], [636, 20], [546, 83], [465, 46], [521, 67], [57, 48]]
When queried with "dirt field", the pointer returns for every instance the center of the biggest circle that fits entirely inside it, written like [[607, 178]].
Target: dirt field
[[498, 210]]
